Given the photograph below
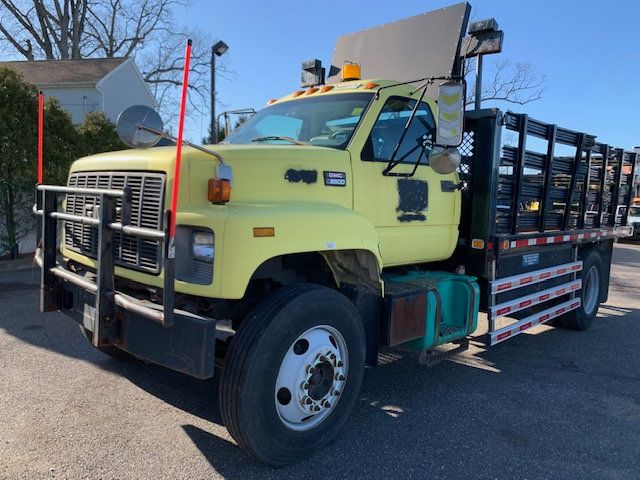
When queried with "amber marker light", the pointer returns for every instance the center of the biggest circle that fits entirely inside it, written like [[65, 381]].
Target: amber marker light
[[326, 88], [312, 90], [273, 100], [371, 85], [297, 93], [264, 232], [219, 190]]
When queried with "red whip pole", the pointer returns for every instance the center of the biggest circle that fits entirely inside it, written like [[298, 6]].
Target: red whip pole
[[40, 136], [176, 174]]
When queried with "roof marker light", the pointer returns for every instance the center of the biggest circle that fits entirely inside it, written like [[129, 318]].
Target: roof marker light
[[326, 88], [312, 90], [371, 85], [297, 93], [273, 100]]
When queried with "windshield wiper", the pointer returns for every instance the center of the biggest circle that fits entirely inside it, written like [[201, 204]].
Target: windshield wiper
[[278, 137]]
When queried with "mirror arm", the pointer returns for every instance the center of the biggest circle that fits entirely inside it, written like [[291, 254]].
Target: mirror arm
[[392, 161], [174, 139]]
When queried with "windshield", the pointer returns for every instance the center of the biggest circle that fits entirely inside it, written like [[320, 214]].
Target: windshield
[[325, 120], [634, 211]]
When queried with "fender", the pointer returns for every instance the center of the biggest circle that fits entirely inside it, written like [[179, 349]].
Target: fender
[[298, 228]]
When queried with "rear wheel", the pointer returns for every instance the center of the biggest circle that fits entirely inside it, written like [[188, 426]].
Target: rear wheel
[[592, 275], [292, 373]]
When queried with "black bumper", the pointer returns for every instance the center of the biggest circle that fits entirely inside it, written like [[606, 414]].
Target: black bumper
[[188, 346]]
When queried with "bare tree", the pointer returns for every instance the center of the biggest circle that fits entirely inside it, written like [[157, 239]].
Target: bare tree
[[142, 29], [506, 81]]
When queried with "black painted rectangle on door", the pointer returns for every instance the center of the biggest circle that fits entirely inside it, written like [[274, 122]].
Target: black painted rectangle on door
[[413, 200]]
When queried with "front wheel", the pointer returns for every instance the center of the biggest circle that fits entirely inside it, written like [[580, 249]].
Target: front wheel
[[292, 373]]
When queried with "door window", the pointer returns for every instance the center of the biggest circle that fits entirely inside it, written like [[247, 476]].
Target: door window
[[388, 129]]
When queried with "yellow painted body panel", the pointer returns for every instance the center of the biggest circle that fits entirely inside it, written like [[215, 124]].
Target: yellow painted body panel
[[307, 217]]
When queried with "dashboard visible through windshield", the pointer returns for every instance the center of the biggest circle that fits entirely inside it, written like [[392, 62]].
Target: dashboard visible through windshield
[[325, 120]]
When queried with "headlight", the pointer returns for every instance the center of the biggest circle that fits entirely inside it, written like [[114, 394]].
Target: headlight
[[202, 246]]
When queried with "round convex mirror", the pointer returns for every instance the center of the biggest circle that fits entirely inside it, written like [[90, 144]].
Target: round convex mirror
[[139, 126], [444, 160]]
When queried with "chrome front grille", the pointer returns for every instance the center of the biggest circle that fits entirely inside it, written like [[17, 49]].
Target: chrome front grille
[[146, 211]]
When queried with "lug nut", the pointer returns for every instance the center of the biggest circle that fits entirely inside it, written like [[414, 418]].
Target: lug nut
[[335, 392], [340, 377], [310, 369], [316, 408], [307, 400], [326, 404], [339, 364]]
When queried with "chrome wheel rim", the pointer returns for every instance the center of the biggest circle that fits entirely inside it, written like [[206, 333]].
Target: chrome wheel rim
[[311, 377], [591, 290]]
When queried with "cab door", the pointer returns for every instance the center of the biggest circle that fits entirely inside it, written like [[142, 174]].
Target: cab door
[[416, 216]]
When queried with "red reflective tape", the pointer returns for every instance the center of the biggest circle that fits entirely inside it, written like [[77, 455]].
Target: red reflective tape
[[504, 286], [575, 287], [525, 326], [526, 303], [573, 237], [541, 240], [576, 267], [503, 335], [544, 297], [526, 280], [558, 238], [562, 291], [490, 246], [575, 304], [561, 271], [503, 310], [544, 318], [545, 275], [560, 310]]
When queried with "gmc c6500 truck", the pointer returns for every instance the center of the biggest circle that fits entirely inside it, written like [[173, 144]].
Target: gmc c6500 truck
[[348, 215]]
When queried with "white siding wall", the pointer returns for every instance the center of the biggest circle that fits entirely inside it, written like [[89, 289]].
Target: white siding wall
[[122, 88], [78, 101]]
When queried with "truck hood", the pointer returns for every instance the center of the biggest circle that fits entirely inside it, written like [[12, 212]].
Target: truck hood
[[261, 173]]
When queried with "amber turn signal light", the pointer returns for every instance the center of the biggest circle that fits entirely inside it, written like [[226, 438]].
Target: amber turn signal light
[[219, 190]]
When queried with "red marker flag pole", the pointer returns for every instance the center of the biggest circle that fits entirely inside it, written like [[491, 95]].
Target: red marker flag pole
[[40, 136], [176, 175]]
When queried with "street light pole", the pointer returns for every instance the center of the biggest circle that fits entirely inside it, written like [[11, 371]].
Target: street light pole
[[216, 51], [213, 127]]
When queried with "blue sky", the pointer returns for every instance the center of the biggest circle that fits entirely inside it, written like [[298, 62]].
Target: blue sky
[[589, 51]]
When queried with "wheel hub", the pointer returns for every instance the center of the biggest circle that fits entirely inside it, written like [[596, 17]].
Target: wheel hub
[[311, 378]]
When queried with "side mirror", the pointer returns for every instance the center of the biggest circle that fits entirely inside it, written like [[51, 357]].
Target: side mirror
[[444, 157], [139, 126]]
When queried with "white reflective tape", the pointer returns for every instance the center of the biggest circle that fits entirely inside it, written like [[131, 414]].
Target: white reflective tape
[[531, 321]]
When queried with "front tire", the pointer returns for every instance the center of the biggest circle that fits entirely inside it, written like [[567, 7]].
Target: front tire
[[292, 373], [592, 280]]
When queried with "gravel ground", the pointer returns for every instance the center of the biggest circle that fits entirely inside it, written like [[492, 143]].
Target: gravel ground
[[551, 403]]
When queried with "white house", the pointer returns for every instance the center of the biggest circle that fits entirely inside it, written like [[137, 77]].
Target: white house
[[106, 85]]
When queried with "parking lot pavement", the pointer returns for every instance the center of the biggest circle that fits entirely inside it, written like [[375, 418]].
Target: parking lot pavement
[[550, 404]]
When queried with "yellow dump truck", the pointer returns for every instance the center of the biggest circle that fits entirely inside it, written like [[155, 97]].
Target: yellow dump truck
[[350, 214]]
